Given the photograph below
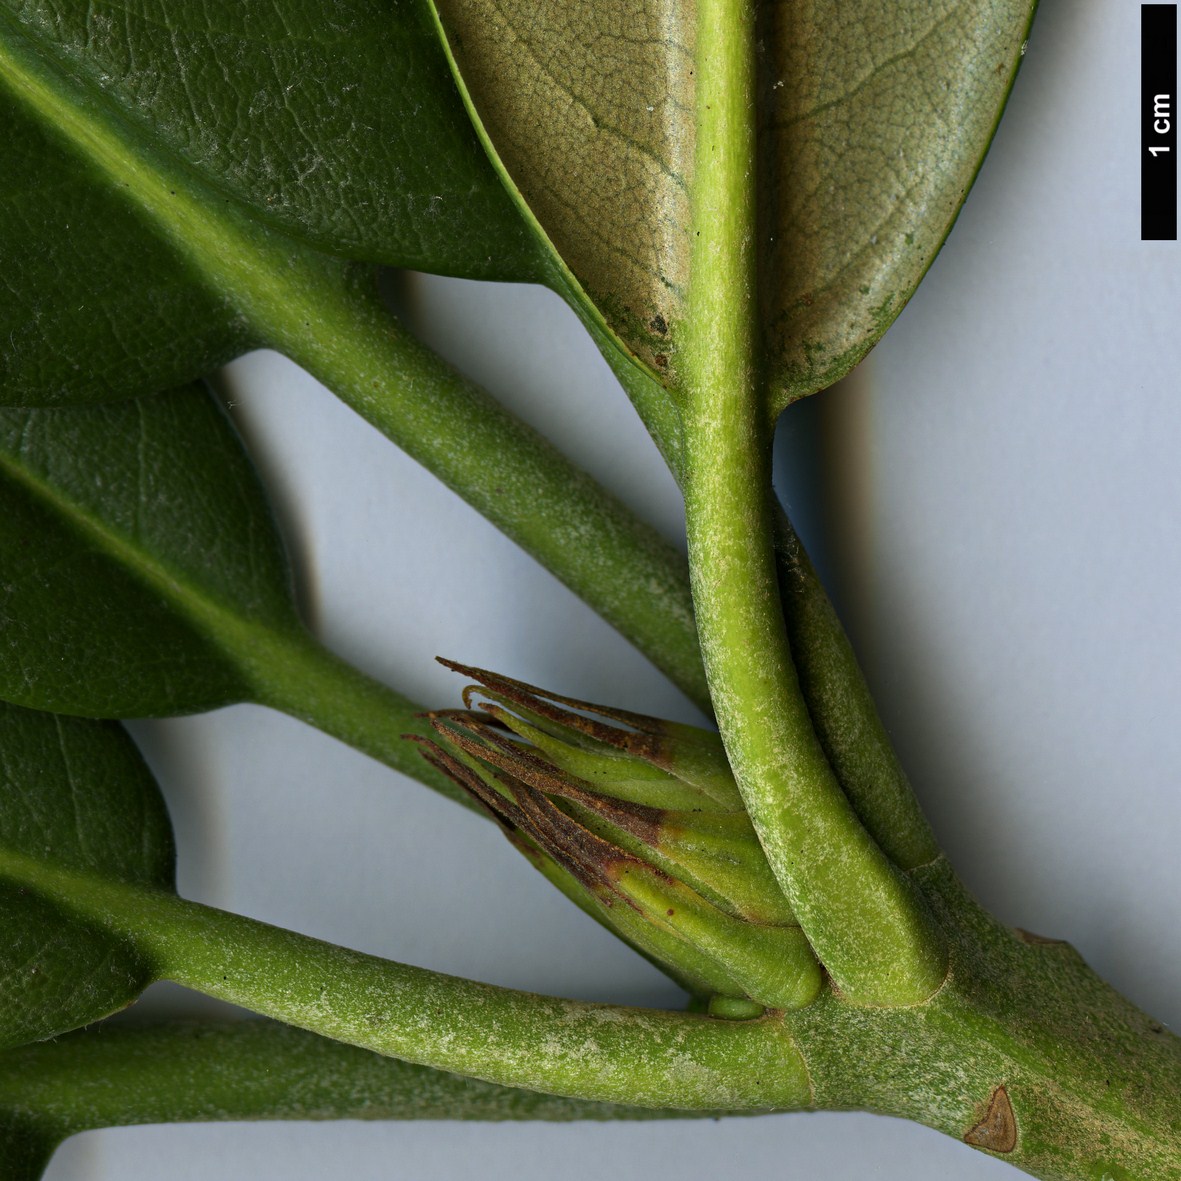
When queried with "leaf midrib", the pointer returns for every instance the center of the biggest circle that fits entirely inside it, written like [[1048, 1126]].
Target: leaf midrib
[[271, 279], [215, 619]]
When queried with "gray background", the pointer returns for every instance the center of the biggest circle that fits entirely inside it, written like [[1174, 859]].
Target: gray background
[[997, 498]]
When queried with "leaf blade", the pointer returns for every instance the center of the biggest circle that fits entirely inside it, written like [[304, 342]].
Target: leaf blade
[[78, 795], [177, 205], [144, 577], [835, 269], [143, 558], [874, 149], [343, 130]]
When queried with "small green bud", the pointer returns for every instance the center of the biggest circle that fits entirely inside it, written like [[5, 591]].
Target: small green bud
[[640, 822]]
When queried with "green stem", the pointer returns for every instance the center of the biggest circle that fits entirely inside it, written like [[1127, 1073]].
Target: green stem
[[292, 672], [863, 918], [500, 466], [598, 1052], [859, 913], [116, 1075], [183, 1072], [1024, 1053], [842, 711]]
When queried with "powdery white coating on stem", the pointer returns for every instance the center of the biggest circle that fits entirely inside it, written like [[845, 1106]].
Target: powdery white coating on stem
[[601, 1052]]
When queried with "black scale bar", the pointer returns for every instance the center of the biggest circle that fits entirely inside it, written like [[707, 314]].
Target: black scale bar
[[1158, 122]]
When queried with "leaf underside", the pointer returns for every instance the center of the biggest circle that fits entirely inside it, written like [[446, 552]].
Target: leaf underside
[[872, 123], [342, 137]]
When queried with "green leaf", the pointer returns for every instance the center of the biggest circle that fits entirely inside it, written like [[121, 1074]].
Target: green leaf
[[27, 1143], [74, 794], [166, 165], [176, 177], [143, 576], [140, 551], [871, 130], [339, 127]]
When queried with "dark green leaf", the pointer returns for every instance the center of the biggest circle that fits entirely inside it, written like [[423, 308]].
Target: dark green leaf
[[27, 1143], [90, 300], [141, 575], [161, 161], [75, 794], [139, 555]]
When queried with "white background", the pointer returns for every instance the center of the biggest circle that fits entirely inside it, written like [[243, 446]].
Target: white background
[[1000, 499]]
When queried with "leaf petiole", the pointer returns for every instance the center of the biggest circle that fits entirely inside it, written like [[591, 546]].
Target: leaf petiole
[[865, 921]]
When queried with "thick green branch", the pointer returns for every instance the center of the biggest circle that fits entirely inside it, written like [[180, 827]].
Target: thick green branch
[[1025, 1053], [843, 712], [863, 918], [585, 1051], [859, 912], [115, 1075], [504, 469]]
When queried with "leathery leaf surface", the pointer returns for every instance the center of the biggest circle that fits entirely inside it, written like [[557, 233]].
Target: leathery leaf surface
[[141, 558], [142, 139], [873, 119], [76, 794]]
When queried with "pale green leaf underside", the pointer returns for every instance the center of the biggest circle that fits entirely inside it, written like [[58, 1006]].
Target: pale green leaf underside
[[873, 120], [877, 118], [590, 108]]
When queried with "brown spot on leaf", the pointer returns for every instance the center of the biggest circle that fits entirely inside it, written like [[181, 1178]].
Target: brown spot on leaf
[[658, 324], [997, 1131]]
